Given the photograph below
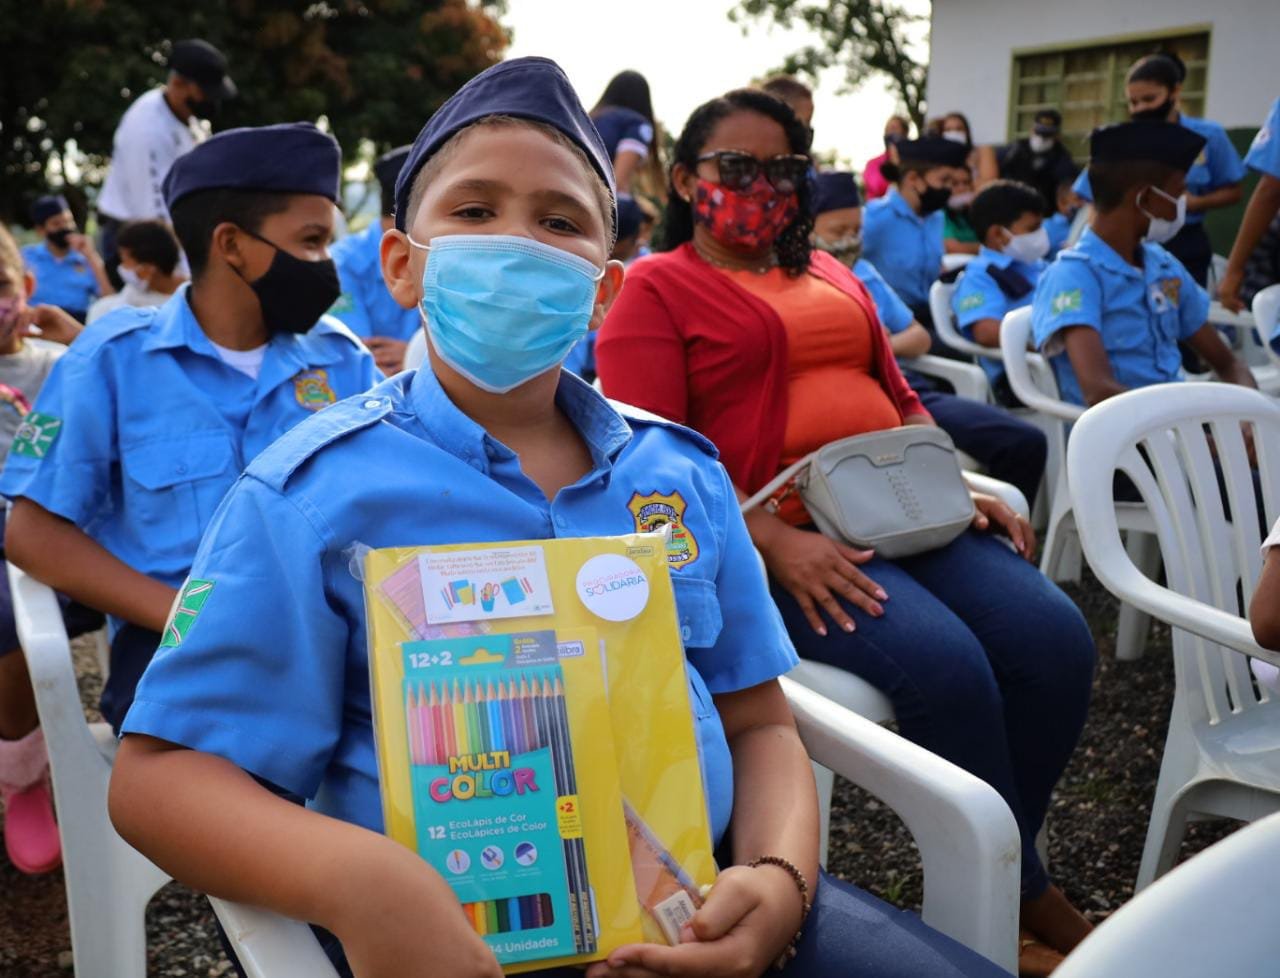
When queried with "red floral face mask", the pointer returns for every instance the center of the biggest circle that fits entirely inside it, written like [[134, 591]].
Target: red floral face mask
[[750, 219]]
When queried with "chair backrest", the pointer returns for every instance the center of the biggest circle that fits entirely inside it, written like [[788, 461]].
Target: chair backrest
[[1213, 915], [957, 260], [944, 322], [1182, 446], [1266, 316], [1030, 374]]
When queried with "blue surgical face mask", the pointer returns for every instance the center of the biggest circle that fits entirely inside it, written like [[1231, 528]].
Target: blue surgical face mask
[[502, 309]]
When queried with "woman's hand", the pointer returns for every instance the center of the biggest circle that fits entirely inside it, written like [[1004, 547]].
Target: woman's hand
[[750, 916], [815, 569], [994, 514]]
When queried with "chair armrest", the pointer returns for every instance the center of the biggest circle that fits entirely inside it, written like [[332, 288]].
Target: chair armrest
[[1008, 494], [967, 836], [270, 945], [967, 378]]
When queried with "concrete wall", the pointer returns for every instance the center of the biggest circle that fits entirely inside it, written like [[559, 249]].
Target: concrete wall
[[972, 46]]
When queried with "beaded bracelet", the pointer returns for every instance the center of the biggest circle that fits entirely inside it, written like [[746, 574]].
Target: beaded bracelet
[[802, 885]]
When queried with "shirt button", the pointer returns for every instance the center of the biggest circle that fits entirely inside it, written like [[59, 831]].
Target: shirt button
[[372, 403], [561, 522], [182, 468], [686, 633]]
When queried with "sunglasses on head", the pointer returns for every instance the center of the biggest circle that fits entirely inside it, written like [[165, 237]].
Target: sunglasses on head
[[739, 170]]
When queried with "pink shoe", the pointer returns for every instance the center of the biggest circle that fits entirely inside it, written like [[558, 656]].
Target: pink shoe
[[30, 831]]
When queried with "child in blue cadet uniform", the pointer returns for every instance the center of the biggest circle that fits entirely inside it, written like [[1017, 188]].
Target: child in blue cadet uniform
[[1153, 87], [1008, 218], [489, 441], [1066, 205], [148, 419], [624, 119], [1264, 158], [1009, 448], [69, 273], [903, 231], [365, 306], [1111, 311]]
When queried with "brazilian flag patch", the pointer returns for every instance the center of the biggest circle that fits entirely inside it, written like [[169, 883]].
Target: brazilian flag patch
[[185, 612], [36, 435]]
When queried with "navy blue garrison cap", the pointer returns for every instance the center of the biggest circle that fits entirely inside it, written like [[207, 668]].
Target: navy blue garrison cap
[[48, 206], [1150, 141], [933, 149], [387, 168], [526, 88], [292, 158], [833, 191], [630, 216]]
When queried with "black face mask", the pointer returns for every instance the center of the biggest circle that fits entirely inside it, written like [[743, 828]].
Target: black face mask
[[203, 108], [60, 238], [891, 139], [933, 199], [294, 293], [1158, 113]]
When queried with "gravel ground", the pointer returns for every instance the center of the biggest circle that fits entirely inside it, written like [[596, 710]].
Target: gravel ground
[[1096, 827]]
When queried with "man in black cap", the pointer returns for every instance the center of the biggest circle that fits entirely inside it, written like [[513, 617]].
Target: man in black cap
[[155, 130], [1040, 160], [1111, 311], [365, 305]]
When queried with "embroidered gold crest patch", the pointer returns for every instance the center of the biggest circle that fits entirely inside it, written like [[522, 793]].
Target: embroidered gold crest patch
[[658, 510], [311, 389]]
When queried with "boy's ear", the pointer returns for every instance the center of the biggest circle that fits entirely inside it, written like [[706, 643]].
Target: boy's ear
[[606, 292], [226, 243], [398, 268], [29, 284]]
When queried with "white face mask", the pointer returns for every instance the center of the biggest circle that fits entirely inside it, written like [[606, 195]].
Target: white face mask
[[1040, 144], [1161, 230], [1028, 248], [133, 279], [955, 136]]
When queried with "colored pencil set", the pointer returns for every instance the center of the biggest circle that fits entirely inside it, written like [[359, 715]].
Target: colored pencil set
[[476, 728]]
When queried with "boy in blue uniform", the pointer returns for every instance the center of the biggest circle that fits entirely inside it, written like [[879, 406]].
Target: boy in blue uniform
[[489, 441], [69, 273], [365, 306], [903, 231], [145, 423], [1066, 204], [1263, 158], [1111, 311], [1008, 448], [1008, 218]]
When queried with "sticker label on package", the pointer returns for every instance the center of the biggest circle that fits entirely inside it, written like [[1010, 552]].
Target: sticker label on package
[[478, 585]]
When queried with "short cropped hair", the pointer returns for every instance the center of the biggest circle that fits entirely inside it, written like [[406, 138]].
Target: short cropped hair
[[150, 242], [1000, 203], [1110, 181], [431, 169], [196, 215], [11, 262], [786, 88]]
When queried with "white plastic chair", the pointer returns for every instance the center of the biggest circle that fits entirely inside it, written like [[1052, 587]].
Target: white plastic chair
[[966, 835], [1266, 318], [967, 379], [940, 294], [1222, 755], [1032, 379], [1213, 915], [109, 883], [1252, 348]]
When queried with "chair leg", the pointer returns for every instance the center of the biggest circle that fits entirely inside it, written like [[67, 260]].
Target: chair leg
[[1131, 633], [826, 782], [1061, 558], [1178, 772]]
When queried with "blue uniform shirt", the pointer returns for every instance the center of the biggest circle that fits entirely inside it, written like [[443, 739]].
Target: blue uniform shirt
[[365, 305], [895, 315], [141, 429], [905, 248], [1264, 154], [67, 282], [274, 674], [1218, 164], [1141, 313], [624, 130], [978, 296], [1059, 227]]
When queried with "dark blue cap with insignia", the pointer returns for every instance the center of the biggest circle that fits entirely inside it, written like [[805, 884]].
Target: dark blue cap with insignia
[[51, 205], [933, 149], [833, 191], [630, 216], [525, 88], [387, 168], [1149, 141], [291, 158]]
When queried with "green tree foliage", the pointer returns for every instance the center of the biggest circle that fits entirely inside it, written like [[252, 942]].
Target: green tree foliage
[[374, 68], [861, 37]]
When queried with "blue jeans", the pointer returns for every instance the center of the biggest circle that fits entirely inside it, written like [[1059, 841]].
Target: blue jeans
[[986, 662], [849, 934]]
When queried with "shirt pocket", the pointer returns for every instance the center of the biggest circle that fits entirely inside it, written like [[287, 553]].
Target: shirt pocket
[[698, 611], [173, 484]]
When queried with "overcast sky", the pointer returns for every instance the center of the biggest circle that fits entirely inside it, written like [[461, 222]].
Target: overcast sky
[[690, 52]]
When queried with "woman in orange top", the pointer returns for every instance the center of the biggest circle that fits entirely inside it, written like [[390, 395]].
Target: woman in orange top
[[772, 350]]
